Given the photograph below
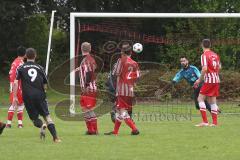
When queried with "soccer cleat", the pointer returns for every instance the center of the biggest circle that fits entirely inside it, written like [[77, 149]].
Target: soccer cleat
[[43, 132], [135, 133], [202, 124], [213, 125], [110, 133], [20, 126], [91, 133], [8, 126], [2, 128], [57, 140], [88, 133]]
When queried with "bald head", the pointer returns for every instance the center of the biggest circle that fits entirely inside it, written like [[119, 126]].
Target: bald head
[[86, 48]]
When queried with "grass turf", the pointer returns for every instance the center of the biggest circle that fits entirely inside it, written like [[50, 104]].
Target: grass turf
[[158, 140]]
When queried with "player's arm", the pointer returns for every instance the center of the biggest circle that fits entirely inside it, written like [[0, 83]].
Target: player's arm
[[117, 68], [178, 77], [45, 81], [203, 71], [220, 64], [15, 88], [12, 76]]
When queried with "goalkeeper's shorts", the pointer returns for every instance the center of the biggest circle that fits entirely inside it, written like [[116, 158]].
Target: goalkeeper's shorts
[[88, 100]]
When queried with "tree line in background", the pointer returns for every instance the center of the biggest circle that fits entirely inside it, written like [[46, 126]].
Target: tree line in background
[[27, 22]]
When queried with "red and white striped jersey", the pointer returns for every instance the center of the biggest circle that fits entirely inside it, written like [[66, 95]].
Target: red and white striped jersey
[[212, 61], [87, 73], [127, 71], [12, 73]]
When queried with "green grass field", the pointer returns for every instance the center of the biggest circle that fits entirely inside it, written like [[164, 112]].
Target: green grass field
[[165, 140]]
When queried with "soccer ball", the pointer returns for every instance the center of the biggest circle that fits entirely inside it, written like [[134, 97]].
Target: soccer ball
[[137, 48]]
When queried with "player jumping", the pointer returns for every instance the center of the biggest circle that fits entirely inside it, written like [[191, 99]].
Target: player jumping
[[111, 88], [127, 72], [89, 89], [210, 62], [12, 76], [34, 83]]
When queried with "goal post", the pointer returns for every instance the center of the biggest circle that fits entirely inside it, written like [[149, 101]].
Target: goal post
[[75, 15]]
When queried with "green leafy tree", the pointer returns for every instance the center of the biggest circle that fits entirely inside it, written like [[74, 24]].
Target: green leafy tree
[[36, 35]]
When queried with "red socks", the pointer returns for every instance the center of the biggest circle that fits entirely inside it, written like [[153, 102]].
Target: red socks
[[94, 125], [91, 125], [10, 115], [204, 115], [20, 116], [214, 116], [130, 123], [117, 126]]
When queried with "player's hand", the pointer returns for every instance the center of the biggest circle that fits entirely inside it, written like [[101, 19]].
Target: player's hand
[[196, 84], [15, 102]]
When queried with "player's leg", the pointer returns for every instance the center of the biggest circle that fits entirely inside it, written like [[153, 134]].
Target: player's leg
[[129, 122], [117, 124], [88, 102], [123, 104], [94, 122], [32, 112], [195, 97], [202, 106], [11, 110], [20, 115], [196, 94], [51, 127], [113, 114], [43, 110], [214, 110], [113, 98], [20, 110], [2, 126], [121, 115], [91, 121], [87, 119], [208, 106]]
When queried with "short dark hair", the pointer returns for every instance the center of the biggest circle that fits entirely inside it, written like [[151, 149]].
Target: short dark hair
[[126, 48], [21, 51], [206, 43], [183, 56], [31, 53]]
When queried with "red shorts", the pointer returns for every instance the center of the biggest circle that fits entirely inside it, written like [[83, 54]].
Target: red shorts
[[124, 102], [19, 96], [210, 89], [88, 100]]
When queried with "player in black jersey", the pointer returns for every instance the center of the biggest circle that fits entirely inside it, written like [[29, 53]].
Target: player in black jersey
[[2, 126], [34, 82]]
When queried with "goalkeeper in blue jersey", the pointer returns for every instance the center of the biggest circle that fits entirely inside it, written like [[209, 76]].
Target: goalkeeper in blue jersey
[[190, 73]]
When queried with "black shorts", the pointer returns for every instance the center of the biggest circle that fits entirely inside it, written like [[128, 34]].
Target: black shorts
[[36, 107]]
